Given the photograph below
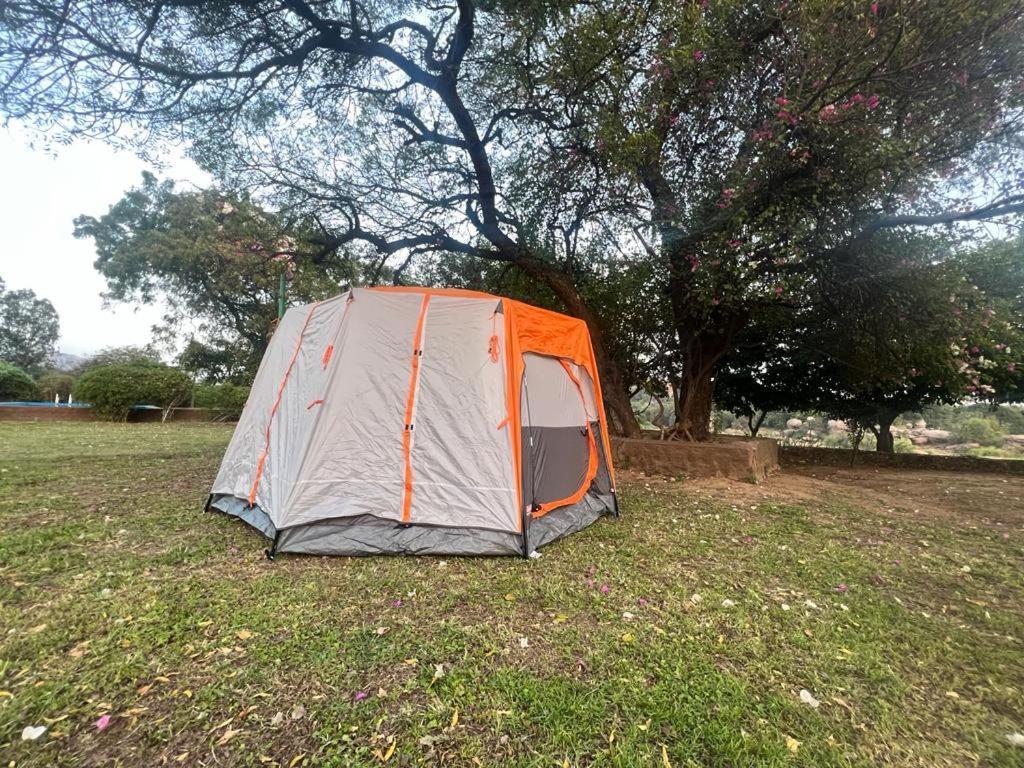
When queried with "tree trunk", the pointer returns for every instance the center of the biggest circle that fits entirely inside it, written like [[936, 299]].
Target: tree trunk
[[884, 442], [693, 419], [755, 424], [622, 420], [702, 353]]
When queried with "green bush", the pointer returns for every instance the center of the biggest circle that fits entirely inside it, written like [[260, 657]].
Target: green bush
[[15, 384], [984, 430], [53, 384], [902, 445], [112, 390], [229, 398]]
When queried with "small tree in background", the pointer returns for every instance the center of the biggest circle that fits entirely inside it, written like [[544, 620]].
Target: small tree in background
[[15, 384], [213, 260], [29, 329], [54, 384], [890, 330]]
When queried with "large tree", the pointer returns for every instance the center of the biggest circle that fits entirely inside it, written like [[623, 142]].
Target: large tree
[[901, 326], [29, 329], [760, 138], [373, 118], [214, 262]]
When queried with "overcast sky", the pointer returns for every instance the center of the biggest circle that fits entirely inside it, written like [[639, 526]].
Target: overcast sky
[[40, 197]]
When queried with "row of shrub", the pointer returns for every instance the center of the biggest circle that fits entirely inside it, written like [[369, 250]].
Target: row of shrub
[[114, 389]]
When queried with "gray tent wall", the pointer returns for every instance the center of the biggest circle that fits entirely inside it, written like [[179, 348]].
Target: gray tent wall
[[374, 426]]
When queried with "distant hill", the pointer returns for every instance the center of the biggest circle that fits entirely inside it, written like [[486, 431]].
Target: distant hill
[[64, 361]]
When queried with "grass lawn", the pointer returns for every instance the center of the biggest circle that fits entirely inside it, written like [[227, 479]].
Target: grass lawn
[[680, 635]]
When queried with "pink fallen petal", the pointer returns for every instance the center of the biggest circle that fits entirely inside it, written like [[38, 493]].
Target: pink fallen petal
[[842, 588], [605, 589], [360, 695], [103, 723]]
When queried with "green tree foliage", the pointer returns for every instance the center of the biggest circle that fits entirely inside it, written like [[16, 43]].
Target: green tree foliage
[[733, 146], [113, 390], [894, 329], [983, 430], [376, 121], [760, 139], [227, 398], [29, 329], [15, 384], [214, 260]]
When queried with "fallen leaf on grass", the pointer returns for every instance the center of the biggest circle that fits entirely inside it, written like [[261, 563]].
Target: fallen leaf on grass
[[296, 759], [299, 712], [842, 704], [455, 719], [244, 634], [277, 719], [792, 744], [142, 690], [222, 725], [227, 736], [1015, 739], [664, 757]]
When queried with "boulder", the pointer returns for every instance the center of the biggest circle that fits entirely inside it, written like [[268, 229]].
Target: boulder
[[836, 425], [920, 424], [936, 435], [794, 424]]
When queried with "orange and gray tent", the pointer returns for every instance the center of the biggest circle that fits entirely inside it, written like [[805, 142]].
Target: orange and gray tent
[[420, 421]]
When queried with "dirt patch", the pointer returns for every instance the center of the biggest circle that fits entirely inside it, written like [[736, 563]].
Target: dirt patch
[[983, 499]]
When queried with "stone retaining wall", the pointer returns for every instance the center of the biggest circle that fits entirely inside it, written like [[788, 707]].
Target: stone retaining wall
[[791, 456], [739, 459]]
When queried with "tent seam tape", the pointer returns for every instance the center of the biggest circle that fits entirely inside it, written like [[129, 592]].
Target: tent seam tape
[[410, 405]]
